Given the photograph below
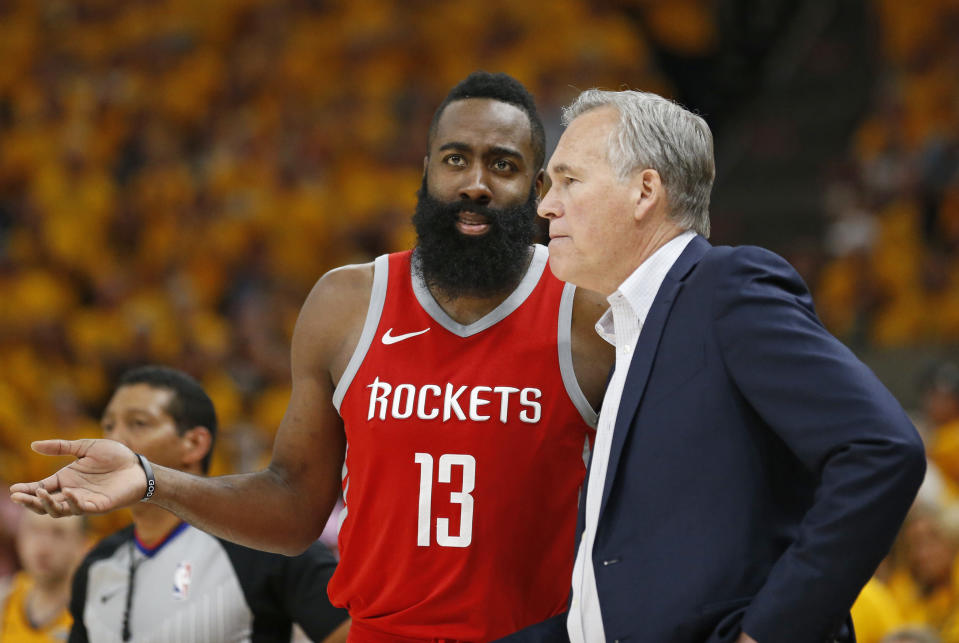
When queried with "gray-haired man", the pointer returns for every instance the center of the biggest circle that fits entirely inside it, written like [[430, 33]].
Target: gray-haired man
[[749, 472]]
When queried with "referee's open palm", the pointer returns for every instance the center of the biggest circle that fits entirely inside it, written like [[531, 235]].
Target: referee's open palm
[[105, 476]]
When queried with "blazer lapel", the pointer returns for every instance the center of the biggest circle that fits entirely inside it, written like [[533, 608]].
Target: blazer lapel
[[645, 355]]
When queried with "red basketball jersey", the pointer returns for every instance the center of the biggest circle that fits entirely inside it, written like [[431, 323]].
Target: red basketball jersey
[[464, 459]]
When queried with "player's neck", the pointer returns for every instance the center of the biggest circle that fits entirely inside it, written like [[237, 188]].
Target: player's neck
[[466, 309], [152, 523]]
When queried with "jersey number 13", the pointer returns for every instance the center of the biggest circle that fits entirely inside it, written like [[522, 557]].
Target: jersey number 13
[[461, 497]]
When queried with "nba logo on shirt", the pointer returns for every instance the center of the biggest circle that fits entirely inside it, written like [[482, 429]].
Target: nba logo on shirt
[[181, 581]]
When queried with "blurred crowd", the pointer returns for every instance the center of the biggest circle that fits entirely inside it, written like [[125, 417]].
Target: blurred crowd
[[891, 279], [893, 238], [175, 175]]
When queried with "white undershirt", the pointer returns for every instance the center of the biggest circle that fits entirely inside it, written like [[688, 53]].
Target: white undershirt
[[620, 326]]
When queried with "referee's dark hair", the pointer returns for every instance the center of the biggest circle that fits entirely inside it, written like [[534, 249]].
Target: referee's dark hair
[[189, 407], [506, 89]]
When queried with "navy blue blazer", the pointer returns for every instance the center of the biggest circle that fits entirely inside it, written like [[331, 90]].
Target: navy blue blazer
[[758, 471]]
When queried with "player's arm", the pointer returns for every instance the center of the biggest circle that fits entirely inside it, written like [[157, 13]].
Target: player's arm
[[282, 508], [592, 355]]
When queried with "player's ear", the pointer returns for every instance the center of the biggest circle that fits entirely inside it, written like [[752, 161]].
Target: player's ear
[[196, 443], [539, 184]]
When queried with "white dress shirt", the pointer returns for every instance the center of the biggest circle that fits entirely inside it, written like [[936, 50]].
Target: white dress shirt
[[620, 326]]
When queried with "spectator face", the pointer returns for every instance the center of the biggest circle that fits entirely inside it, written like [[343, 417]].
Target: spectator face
[[929, 552], [50, 548], [940, 406]]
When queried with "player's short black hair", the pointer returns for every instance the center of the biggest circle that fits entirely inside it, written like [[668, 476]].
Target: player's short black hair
[[506, 89], [189, 407]]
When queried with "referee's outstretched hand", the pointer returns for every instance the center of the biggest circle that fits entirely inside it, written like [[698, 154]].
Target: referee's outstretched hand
[[105, 476]]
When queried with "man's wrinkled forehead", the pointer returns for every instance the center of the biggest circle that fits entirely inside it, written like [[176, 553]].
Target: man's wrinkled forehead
[[584, 145]]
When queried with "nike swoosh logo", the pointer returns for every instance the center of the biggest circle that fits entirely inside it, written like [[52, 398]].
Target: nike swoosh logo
[[392, 339]]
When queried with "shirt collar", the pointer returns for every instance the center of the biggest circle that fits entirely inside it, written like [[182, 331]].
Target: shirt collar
[[640, 288], [150, 550]]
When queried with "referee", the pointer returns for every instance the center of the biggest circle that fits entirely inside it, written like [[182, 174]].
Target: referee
[[161, 579]]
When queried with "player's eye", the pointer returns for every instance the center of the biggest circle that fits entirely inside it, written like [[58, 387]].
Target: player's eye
[[455, 159], [503, 165]]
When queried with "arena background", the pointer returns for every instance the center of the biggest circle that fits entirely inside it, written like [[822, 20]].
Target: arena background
[[175, 175]]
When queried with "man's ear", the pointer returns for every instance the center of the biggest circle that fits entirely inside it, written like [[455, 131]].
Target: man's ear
[[197, 443], [539, 184], [648, 192], [426, 163]]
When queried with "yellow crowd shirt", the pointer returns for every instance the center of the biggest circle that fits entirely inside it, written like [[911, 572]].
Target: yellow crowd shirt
[[875, 612], [15, 627]]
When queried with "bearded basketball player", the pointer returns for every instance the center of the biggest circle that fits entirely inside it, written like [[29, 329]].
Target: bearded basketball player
[[447, 392]]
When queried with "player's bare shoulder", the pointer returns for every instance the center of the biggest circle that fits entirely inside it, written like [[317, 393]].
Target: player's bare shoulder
[[331, 320], [592, 355], [588, 307]]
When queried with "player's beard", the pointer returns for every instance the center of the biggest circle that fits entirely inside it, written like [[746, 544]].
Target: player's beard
[[457, 264]]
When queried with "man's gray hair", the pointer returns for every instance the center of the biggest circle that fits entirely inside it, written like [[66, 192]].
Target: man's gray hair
[[656, 133]]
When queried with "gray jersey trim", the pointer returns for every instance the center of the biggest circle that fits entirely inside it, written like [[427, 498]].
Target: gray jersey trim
[[536, 267], [565, 345], [381, 273], [346, 489]]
